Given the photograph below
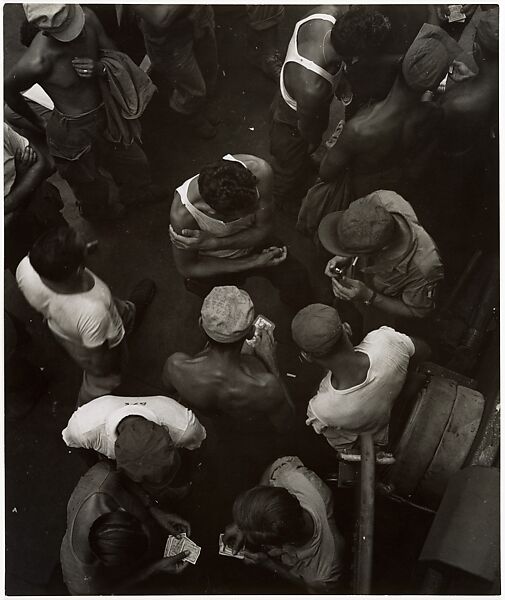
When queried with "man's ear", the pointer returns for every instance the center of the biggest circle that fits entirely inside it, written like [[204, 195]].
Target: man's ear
[[306, 356], [348, 329]]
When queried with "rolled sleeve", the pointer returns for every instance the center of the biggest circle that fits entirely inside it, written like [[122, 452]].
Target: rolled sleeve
[[193, 435], [420, 298]]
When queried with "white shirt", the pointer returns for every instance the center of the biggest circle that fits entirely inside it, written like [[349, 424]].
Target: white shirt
[[94, 425], [12, 142], [87, 319], [341, 415]]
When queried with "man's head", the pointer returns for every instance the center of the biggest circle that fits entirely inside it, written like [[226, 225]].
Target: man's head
[[118, 539], [146, 454], [318, 331], [366, 227], [428, 59], [268, 516], [227, 314], [63, 22], [359, 32], [58, 254], [229, 188], [487, 35]]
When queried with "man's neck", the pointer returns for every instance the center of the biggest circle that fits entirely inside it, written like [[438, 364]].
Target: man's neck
[[348, 368], [76, 284], [400, 95]]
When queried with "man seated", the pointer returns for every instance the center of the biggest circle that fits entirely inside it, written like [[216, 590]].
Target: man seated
[[104, 423], [397, 262], [221, 228], [288, 527], [221, 380], [362, 383], [116, 536]]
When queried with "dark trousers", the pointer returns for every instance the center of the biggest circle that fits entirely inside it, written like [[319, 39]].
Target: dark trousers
[[292, 165], [290, 278]]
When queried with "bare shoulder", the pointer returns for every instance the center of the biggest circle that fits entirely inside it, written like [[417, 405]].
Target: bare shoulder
[[180, 218], [91, 18]]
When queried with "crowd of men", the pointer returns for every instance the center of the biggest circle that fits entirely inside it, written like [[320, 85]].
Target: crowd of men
[[437, 102]]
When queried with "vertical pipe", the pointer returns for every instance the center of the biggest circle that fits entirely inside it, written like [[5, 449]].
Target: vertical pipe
[[364, 545]]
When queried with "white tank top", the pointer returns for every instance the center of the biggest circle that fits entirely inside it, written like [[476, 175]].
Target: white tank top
[[293, 56], [216, 226]]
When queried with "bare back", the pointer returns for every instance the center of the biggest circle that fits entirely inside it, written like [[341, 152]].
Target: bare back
[[244, 391]]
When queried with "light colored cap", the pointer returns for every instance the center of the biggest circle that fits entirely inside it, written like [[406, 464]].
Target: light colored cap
[[63, 22], [227, 314]]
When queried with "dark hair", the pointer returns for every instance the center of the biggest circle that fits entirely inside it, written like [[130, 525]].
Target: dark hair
[[268, 515], [228, 187], [359, 31], [117, 539], [57, 254], [27, 31]]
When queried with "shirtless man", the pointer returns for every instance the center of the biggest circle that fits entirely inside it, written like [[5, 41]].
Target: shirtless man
[[64, 59], [381, 138], [221, 228], [470, 108], [223, 381], [310, 76]]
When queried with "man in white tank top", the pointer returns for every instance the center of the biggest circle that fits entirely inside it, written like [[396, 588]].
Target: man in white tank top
[[309, 79], [221, 227], [79, 308]]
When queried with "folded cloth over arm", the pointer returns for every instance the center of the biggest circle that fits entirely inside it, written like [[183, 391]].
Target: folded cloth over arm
[[126, 91]]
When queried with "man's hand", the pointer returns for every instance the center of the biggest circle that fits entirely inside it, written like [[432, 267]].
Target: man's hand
[[264, 348], [460, 72], [191, 239], [350, 289], [174, 524], [24, 160], [271, 257], [340, 262], [171, 565], [260, 559], [234, 538], [87, 67]]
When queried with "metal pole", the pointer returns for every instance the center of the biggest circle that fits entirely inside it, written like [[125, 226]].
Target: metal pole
[[364, 546]]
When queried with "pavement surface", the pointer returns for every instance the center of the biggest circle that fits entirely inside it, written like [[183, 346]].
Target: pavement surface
[[40, 472]]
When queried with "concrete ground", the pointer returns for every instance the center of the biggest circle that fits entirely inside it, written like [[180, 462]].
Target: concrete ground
[[40, 472]]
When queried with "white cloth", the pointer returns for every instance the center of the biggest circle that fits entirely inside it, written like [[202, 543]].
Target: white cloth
[[12, 142], [87, 319], [94, 425], [341, 415], [320, 561]]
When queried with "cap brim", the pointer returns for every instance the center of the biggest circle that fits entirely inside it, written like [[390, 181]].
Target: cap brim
[[328, 234], [75, 26]]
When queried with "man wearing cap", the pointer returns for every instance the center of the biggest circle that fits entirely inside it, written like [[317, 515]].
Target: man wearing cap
[[63, 59], [384, 141], [221, 379], [471, 107], [143, 435], [398, 262], [358, 392]]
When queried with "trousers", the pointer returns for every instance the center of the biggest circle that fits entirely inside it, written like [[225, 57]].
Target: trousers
[[94, 386], [81, 152], [187, 66]]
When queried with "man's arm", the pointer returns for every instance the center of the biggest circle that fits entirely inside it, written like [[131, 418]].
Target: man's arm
[[313, 115], [160, 16], [30, 69], [338, 158], [422, 352], [27, 181], [191, 264]]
